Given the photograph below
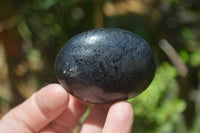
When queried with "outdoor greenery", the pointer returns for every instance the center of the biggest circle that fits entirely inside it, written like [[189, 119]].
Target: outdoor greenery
[[32, 32]]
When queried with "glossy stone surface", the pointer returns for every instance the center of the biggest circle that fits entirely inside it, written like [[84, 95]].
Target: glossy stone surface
[[105, 65]]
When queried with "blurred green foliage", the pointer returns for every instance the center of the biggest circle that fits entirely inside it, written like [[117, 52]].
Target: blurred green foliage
[[159, 104], [32, 32]]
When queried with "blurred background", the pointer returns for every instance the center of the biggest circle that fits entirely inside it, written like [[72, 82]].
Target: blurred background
[[33, 31]]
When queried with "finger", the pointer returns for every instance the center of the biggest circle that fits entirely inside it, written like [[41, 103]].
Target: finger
[[36, 112], [95, 121], [120, 118], [70, 117]]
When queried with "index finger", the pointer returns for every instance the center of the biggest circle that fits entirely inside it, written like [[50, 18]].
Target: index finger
[[36, 112]]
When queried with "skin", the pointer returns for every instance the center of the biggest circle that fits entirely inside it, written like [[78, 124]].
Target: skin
[[53, 110]]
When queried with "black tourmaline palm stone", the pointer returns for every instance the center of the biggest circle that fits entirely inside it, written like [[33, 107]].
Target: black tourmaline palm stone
[[105, 65]]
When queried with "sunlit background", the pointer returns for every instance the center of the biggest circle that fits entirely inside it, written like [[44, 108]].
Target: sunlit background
[[33, 31]]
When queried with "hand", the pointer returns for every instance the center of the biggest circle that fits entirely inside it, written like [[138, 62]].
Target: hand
[[52, 109]]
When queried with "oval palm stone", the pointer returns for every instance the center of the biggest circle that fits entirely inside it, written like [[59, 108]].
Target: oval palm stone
[[105, 65]]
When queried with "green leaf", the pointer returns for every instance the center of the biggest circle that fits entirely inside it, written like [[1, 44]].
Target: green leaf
[[44, 4], [187, 33], [195, 58], [184, 56]]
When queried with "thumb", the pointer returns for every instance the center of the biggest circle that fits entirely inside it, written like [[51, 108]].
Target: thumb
[[36, 112]]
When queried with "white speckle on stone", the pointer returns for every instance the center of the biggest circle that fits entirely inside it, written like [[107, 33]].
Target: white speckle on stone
[[64, 72]]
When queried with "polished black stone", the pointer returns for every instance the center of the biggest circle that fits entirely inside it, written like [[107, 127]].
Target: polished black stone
[[105, 65]]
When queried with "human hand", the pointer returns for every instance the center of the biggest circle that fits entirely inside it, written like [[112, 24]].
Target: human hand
[[52, 109]]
